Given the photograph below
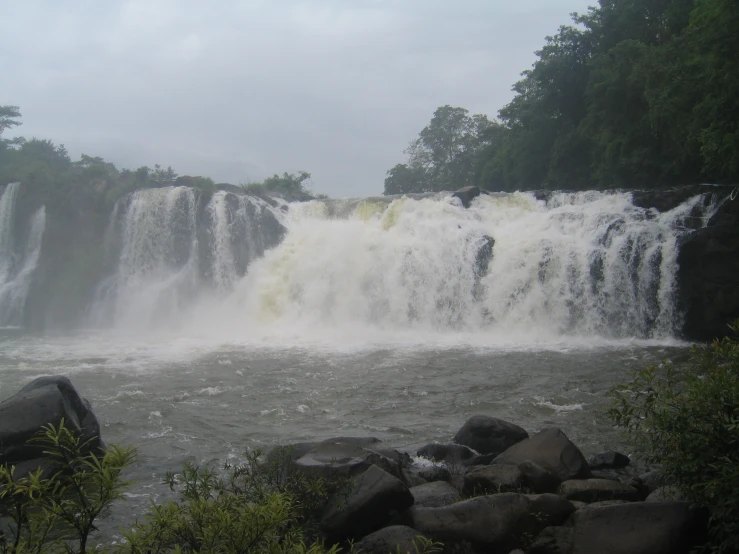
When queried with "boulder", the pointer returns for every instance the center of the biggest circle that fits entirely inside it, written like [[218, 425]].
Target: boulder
[[435, 495], [44, 401], [608, 460], [451, 454], [648, 482], [396, 538], [435, 473], [349, 456], [550, 449], [553, 540], [412, 477], [537, 479], [498, 522], [492, 479], [489, 435], [594, 490], [375, 498], [668, 492], [637, 528], [466, 195]]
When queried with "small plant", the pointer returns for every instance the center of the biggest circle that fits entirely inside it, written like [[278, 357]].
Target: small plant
[[57, 513], [686, 422], [260, 506]]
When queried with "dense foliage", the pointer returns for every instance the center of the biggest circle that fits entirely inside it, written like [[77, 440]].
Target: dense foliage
[[638, 93], [686, 422]]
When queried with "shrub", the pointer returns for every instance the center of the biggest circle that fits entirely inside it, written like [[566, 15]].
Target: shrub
[[260, 506], [52, 514], [686, 421]]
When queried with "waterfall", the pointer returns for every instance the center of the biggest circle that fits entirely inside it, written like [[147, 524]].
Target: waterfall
[[585, 264], [167, 253], [18, 258]]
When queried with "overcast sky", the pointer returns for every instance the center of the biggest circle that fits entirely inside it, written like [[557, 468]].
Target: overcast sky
[[239, 90]]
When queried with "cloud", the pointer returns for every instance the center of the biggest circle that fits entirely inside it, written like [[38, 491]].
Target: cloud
[[241, 90]]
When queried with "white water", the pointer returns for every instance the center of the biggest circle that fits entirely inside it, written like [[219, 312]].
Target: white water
[[17, 265], [586, 267]]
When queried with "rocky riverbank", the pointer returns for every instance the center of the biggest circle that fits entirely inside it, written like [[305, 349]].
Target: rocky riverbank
[[493, 488]]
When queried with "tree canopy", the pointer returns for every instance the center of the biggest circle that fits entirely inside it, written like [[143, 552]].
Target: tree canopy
[[636, 93]]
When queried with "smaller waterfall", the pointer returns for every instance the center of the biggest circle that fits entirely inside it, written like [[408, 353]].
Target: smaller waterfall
[[168, 248], [17, 261]]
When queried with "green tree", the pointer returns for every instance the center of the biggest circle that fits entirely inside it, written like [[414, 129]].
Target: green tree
[[8, 117]]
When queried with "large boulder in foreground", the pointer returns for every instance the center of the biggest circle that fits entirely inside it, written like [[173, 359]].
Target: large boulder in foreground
[[551, 449], [349, 456], [489, 435], [43, 401], [494, 523], [375, 498], [632, 528]]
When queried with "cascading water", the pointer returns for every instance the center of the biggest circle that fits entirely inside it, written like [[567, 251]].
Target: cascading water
[[17, 261], [167, 254], [509, 267]]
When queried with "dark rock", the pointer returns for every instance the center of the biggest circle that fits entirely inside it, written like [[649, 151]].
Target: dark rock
[[466, 195], [396, 538], [593, 490], [453, 454], [412, 478], [648, 482], [637, 528], [608, 460], [435, 473], [537, 479], [435, 495], [492, 479], [600, 504], [666, 199], [553, 540], [484, 256], [662, 494], [489, 435], [374, 499], [351, 456], [44, 401], [492, 523], [552, 450]]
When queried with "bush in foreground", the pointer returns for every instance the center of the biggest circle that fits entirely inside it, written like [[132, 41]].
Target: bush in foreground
[[686, 422]]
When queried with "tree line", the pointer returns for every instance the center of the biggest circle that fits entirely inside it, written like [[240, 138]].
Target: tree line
[[635, 93], [47, 171]]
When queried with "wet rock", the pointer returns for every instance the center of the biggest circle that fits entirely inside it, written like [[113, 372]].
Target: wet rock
[[451, 454], [492, 479], [396, 538], [351, 456], [412, 478], [492, 523], [550, 449], [608, 460], [594, 490], [435, 473], [489, 435], [637, 528], [466, 195], [44, 401], [537, 479], [648, 482], [373, 501], [435, 495]]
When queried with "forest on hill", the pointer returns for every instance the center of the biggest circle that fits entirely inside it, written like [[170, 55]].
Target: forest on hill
[[634, 94]]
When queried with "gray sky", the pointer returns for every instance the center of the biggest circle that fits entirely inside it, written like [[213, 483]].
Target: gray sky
[[238, 90]]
